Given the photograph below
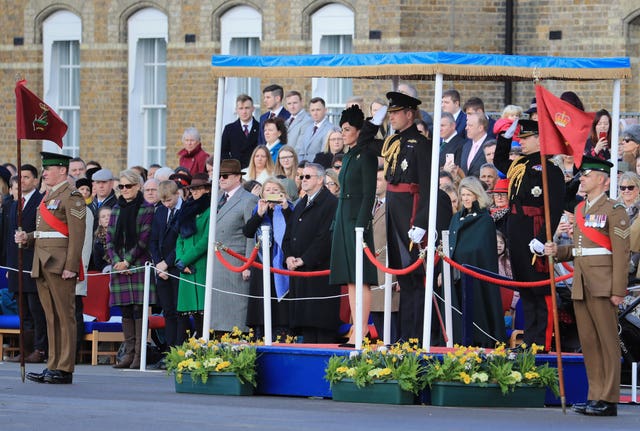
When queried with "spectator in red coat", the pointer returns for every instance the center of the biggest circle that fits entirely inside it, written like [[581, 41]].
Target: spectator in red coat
[[192, 156]]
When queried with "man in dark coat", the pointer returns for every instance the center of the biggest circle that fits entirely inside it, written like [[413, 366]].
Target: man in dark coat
[[526, 224], [407, 166], [241, 137], [35, 323], [272, 96], [307, 247]]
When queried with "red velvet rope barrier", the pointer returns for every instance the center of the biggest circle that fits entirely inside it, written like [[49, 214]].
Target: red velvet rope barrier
[[241, 268], [502, 282], [259, 266], [391, 271]]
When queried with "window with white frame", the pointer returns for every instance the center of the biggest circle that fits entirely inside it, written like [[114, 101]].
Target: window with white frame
[[332, 30], [148, 33], [61, 37], [240, 34]]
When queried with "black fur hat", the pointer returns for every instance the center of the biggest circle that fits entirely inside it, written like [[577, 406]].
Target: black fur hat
[[354, 116]]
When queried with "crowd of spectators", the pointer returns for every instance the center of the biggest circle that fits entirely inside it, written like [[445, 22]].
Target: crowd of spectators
[[284, 170]]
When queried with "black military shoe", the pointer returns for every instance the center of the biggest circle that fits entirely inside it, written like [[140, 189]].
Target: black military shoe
[[59, 377], [602, 408], [38, 377], [582, 407]]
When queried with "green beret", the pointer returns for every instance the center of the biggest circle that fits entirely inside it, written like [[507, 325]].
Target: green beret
[[593, 164], [54, 159]]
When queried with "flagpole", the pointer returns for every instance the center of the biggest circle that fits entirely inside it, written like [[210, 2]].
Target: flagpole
[[552, 279], [20, 259]]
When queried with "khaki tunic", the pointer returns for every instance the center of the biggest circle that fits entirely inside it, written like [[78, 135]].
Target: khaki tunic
[[50, 258], [596, 279]]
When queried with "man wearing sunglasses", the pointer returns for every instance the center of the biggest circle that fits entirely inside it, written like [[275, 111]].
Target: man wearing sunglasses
[[57, 265], [235, 207]]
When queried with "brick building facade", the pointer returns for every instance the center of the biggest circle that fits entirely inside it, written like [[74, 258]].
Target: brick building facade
[[193, 34]]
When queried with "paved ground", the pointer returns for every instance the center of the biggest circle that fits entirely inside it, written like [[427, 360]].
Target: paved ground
[[103, 398]]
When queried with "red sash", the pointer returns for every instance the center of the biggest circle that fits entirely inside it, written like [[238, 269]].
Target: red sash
[[59, 226], [592, 233]]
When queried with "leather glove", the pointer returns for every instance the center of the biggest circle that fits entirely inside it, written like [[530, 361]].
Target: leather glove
[[536, 247], [511, 130], [379, 117], [416, 234]]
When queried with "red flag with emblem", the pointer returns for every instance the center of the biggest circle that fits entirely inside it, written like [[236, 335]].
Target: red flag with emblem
[[564, 129], [35, 119]]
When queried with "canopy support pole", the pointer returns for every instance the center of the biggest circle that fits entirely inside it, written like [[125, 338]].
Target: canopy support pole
[[433, 211], [208, 293], [615, 133]]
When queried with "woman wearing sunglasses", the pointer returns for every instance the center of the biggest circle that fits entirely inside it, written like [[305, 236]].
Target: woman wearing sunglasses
[[630, 144], [628, 192], [128, 247]]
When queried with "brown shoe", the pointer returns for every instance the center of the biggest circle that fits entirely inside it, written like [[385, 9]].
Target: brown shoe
[[36, 357]]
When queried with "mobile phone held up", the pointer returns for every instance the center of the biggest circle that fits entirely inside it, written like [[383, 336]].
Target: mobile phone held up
[[602, 135]]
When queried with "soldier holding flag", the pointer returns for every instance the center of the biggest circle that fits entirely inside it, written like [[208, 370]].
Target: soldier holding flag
[[526, 224]]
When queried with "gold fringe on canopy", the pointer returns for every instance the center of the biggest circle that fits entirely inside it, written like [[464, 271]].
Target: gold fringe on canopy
[[426, 72]]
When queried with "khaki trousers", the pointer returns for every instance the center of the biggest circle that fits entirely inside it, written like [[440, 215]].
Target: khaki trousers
[[58, 298]]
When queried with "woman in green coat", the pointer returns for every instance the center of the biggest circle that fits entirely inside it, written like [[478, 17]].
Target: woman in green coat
[[357, 196], [191, 249]]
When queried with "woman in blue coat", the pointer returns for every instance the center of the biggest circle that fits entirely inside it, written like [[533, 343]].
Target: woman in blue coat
[[472, 241], [357, 196]]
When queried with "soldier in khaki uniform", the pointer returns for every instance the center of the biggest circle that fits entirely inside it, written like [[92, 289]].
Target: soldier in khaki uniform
[[57, 243], [600, 252]]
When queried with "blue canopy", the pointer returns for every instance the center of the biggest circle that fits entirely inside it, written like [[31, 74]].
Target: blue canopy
[[423, 65]]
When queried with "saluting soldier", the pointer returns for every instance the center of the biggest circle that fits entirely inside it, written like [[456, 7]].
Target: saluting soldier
[[600, 253], [57, 243], [407, 166], [526, 231]]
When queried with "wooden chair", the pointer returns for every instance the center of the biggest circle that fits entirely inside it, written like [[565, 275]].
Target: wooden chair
[[96, 304]]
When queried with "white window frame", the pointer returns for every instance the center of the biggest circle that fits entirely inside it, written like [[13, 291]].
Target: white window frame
[[240, 22], [331, 20], [61, 26], [147, 23]]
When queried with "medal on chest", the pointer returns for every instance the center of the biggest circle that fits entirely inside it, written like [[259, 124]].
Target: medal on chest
[[595, 220], [404, 165], [536, 191], [53, 204]]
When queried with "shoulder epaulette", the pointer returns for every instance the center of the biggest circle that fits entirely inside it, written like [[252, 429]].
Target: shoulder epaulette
[[76, 193], [618, 205]]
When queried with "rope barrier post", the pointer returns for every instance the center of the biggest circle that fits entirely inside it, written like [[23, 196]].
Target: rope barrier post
[[266, 284], [358, 317], [388, 293], [446, 286], [145, 316]]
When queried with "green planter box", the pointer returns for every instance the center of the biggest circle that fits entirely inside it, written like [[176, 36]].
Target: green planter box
[[217, 384], [454, 394], [388, 392]]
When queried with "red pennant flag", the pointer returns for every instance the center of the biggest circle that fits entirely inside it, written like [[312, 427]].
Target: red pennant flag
[[35, 119], [564, 129]]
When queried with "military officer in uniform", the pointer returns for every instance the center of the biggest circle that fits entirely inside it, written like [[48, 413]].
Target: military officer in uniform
[[600, 252], [407, 166], [57, 243], [526, 232]]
